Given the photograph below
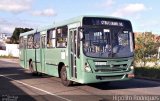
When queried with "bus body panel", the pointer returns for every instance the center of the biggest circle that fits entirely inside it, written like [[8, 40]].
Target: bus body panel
[[38, 60], [30, 54], [52, 58], [21, 57]]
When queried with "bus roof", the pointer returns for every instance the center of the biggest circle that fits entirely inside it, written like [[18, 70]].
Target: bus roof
[[66, 22], [28, 33]]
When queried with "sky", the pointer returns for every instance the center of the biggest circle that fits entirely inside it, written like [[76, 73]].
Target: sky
[[144, 14]]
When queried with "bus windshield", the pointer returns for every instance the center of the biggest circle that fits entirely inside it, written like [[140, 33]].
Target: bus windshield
[[111, 42]]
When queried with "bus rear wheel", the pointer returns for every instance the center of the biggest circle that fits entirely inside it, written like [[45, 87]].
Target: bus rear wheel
[[31, 68], [63, 75]]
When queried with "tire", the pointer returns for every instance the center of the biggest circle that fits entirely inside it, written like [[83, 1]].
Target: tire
[[63, 75], [31, 68]]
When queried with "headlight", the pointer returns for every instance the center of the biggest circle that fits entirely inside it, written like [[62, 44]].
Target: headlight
[[132, 67], [87, 68]]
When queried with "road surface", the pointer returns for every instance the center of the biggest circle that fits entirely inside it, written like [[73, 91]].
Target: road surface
[[17, 84]]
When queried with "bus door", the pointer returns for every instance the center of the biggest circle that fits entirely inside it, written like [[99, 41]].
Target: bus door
[[37, 52], [25, 53], [43, 46], [73, 55]]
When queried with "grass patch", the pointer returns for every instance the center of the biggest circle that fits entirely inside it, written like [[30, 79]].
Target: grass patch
[[8, 57], [148, 72]]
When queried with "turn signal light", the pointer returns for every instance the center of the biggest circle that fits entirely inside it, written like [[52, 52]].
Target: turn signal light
[[131, 75]]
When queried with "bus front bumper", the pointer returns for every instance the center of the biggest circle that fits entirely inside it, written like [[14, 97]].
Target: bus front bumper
[[107, 77]]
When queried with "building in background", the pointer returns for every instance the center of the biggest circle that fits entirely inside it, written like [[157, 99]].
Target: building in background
[[3, 37], [10, 50], [7, 49]]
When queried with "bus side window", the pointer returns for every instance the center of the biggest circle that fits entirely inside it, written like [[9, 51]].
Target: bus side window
[[62, 37], [37, 40], [43, 41], [51, 38], [21, 43], [30, 42]]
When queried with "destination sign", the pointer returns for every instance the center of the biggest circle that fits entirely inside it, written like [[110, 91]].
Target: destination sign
[[104, 21], [111, 23]]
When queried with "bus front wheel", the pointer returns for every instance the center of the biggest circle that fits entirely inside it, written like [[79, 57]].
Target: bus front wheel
[[63, 74]]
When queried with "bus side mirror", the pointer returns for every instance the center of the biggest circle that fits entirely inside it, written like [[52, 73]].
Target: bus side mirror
[[81, 29], [133, 40], [81, 36]]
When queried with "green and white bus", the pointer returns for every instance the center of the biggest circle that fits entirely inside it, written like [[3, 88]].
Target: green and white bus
[[85, 49]]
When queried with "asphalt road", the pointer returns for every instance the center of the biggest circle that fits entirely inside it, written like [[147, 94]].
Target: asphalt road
[[17, 84]]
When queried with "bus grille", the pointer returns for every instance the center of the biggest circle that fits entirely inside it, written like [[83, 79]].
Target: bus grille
[[114, 68]]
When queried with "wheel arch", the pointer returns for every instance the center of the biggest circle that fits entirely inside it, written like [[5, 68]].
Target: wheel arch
[[30, 60], [60, 65]]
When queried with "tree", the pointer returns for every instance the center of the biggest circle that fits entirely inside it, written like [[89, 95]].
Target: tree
[[16, 33], [146, 47]]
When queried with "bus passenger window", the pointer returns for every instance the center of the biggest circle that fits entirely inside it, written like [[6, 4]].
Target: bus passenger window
[[21, 43], [30, 42], [43, 41], [51, 38], [62, 37], [37, 40]]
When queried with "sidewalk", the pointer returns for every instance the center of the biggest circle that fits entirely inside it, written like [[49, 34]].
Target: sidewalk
[[10, 60]]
